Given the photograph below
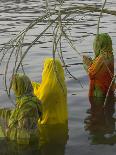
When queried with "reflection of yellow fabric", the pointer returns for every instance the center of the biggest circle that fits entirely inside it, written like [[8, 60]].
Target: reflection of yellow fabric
[[52, 93], [53, 133]]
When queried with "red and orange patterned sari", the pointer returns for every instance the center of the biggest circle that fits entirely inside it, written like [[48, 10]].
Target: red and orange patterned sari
[[101, 72]]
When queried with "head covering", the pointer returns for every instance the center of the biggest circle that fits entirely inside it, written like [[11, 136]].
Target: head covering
[[52, 77], [102, 43], [53, 92], [52, 68], [21, 85]]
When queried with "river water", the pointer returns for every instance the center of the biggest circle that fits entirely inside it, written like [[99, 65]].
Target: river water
[[15, 15]]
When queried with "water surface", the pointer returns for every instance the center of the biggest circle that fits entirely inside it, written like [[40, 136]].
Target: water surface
[[15, 15]]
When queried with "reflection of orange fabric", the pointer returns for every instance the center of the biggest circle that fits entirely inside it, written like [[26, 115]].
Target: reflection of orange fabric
[[101, 73]]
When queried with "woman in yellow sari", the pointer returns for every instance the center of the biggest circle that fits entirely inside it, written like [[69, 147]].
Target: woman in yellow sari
[[52, 92]]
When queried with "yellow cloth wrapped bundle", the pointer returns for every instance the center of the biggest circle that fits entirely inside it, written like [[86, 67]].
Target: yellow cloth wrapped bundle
[[52, 92]]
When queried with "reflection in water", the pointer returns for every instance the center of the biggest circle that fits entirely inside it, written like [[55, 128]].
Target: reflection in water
[[18, 16], [53, 139], [20, 1], [100, 123], [12, 148]]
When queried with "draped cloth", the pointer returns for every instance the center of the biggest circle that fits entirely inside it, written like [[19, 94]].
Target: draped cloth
[[101, 69], [52, 92], [22, 121], [101, 73]]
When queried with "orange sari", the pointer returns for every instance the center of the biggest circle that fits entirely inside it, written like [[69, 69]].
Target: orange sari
[[101, 72]]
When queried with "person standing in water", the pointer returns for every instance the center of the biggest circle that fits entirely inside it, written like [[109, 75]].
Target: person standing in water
[[22, 121], [101, 69], [53, 93]]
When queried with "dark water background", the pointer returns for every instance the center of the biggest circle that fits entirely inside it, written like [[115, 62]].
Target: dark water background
[[15, 15]]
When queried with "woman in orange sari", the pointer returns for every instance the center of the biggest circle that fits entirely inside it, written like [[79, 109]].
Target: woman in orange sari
[[101, 69]]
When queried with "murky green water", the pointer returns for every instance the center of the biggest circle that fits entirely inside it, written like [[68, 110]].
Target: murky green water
[[82, 136]]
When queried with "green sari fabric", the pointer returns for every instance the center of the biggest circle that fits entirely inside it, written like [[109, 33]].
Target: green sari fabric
[[22, 124]]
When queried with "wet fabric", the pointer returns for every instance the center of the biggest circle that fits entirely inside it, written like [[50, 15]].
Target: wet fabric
[[53, 93], [101, 71], [4, 117], [22, 123]]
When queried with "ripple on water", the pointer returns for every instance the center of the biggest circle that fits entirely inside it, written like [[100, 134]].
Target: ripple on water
[[15, 15]]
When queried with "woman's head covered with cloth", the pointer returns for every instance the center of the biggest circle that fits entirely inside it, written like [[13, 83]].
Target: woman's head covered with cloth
[[102, 43], [53, 79], [21, 85], [53, 92]]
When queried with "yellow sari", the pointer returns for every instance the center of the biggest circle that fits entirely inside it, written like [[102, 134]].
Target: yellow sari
[[52, 92]]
